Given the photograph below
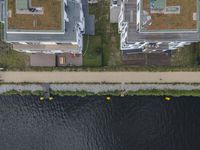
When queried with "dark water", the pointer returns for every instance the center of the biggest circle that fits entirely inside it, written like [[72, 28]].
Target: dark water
[[91, 123]]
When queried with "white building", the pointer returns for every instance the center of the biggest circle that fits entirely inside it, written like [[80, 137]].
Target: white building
[[51, 26], [150, 25]]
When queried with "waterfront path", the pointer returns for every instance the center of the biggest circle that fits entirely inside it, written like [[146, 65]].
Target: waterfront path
[[109, 77]]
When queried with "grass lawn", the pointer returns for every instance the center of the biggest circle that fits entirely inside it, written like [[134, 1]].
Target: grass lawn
[[152, 92], [108, 33], [1, 31], [12, 60], [155, 92], [92, 55], [187, 56]]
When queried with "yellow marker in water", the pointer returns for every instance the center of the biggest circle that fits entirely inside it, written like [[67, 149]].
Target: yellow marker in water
[[41, 98], [167, 98], [50, 98], [108, 98]]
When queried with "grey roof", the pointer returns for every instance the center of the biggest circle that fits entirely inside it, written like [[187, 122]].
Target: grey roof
[[90, 25], [114, 14], [115, 7], [135, 36], [73, 12], [43, 60], [2, 14], [89, 19]]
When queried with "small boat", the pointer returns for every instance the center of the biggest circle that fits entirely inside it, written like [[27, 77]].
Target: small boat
[[41, 98], [50, 98], [167, 98]]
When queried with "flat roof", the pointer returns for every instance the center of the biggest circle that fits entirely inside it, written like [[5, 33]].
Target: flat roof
[[21, 4], [130, 11], [49, 15], [69, 35], [43, 60], [166, 15]]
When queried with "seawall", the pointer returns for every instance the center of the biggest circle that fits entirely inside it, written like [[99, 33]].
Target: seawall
[[104, 89]]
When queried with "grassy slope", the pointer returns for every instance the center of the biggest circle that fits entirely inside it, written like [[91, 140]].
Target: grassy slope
[[12, 60], [164, 93], [153, 92]]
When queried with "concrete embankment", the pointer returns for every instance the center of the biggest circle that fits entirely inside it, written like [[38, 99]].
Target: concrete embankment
[[95, 88], [131, 83], [98, 88]]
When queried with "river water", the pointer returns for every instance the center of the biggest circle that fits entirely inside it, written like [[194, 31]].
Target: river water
[[91, 123]]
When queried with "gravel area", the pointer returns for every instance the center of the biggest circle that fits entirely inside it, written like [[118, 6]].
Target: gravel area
[[28, 87], [95, 88], [135, 87], [126, 87]]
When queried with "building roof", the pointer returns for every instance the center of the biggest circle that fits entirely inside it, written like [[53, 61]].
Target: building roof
[[114, 14], [33, 15], [72, 9], [89, 19], [134, 35], [68, 35], [21, 4], [159, 15], [43, 60], [46, 47]]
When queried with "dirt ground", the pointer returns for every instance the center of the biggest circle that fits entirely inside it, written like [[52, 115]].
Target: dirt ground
[[147, 59], [99, 77]]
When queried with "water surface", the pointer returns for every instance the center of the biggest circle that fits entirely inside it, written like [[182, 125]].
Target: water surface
[[91, 123]]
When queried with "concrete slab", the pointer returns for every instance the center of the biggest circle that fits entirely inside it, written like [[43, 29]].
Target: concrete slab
[[42, 60]]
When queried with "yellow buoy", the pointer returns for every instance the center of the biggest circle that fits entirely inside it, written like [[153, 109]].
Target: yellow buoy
[[108, 98], [41, 98], [50, 98], [167, 98]]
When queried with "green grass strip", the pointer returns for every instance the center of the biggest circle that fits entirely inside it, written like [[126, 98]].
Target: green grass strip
[[176, 93]]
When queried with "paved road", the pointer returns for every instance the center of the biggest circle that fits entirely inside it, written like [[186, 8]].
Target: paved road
[[135, 77]]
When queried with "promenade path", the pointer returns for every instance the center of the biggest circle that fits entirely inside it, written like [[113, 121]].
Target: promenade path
[[110, 77]]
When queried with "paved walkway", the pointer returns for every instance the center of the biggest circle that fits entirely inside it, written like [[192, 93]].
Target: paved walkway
[[110, 77]]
